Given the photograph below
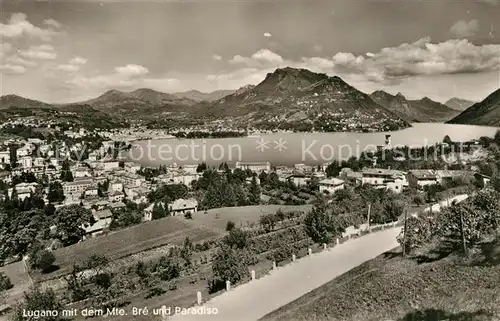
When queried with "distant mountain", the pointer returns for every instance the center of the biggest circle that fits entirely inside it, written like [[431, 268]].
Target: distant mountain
[[8, 101], [298, 99], [424, 110], [140, 103], [486, 112], [15, 107], [459, 104], [201, 96]]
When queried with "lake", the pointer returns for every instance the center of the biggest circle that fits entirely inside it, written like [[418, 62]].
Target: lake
[[293, 148]]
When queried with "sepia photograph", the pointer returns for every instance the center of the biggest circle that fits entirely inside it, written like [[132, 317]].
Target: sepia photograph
[[249, 160]]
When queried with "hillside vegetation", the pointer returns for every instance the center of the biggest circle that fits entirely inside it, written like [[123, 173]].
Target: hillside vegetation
[[450, 272]]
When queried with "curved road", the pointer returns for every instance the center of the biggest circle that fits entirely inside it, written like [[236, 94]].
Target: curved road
[[255, 299]]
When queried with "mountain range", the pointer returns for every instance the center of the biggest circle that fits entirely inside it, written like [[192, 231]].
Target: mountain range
[[287, 98], [486, 112], [459, 104], [201, 96], [424, 110], [290, 98]]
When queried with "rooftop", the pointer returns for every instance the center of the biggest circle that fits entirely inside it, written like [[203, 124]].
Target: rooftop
[[331, 182], [181, 204]]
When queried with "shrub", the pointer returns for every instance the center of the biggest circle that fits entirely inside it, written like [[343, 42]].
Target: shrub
[[5, 282], [230, 226]]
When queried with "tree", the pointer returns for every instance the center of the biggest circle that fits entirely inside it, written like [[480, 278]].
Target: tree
[[158, 211], [228, 265], [5, 283], [39, 300], [187, 250], [201, 167], [470, 221], [212, 198], [230, 225], [267, 222], [43, 260], [418, 232], [254, 191], [70, 221], [317, 222], [447, 140], [237, 238], [56, 193]]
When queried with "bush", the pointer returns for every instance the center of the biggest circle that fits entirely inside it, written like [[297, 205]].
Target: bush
[[230, 226], [188, 216], [237, 238], [5, 282], [229, 265], [43, 260]]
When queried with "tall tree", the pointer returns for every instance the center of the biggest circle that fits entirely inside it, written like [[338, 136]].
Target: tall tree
[[70, 221], [56, 193], [254, 191], [228, 265]]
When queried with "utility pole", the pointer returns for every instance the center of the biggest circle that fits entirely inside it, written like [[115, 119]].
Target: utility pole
[[369, 211], [404, 232]]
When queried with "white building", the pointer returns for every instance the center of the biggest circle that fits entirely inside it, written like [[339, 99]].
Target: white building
[[393, 180], [76, 188], [109, 165], [23, 151], [183, 206], [5, 157], [26, 162], [331, 185], [116, 196], [132, 167], [39, 161], [419, 178], [254, 166], [93, 157]]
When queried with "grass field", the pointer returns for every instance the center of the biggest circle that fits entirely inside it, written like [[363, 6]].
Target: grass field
[[19, 278], [129, 241], [241, 216], [393, 288]]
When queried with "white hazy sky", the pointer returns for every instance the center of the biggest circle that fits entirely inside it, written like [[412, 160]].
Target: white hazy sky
[[61, 51]]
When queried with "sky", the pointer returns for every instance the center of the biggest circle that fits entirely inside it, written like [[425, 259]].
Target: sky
[[68, 50]]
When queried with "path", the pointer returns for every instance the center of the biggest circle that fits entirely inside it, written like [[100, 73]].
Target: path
[[253, 300]]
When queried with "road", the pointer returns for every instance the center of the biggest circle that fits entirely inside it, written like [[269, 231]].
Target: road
[[253, 300]]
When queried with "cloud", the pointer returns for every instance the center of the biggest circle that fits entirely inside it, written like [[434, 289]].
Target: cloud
[[131, 70], [68, 67], [17, 26], [78, 61], [16, 60], [123, 77], [493, 2], [216, 57], [12, 69], [390, 65], [73, 65], [52, 23], [42, 52], [267, 35], [5, 48], [263, 57], [464, 29]]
